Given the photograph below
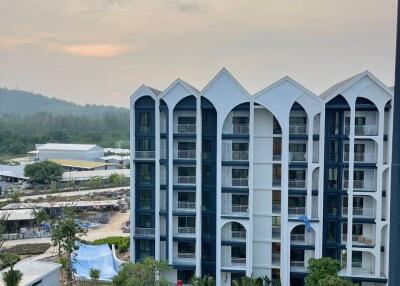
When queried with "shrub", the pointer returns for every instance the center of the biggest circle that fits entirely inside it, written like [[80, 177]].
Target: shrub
[[121, 242], [12, 277], [29, 249]]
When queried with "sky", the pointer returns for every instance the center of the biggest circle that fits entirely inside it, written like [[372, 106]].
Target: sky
[[101, 51]]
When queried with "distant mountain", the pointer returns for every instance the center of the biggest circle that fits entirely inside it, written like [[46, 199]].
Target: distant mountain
[[25, 103]]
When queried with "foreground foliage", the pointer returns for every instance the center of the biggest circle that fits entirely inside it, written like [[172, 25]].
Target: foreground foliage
[[324, 272], [44, 172], [121, 243], [144, 273]]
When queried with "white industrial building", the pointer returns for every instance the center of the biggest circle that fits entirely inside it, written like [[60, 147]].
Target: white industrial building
[[83, 152], [229, 184]]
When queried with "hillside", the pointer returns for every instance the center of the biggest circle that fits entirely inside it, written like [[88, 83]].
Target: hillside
[[27, 119], [26, 103]]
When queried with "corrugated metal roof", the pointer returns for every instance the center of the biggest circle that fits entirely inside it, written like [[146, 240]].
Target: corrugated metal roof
[[66, 147]]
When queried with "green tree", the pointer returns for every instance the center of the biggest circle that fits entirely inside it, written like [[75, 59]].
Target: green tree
[[248, 281], [64, 233], [40, 216], [334, 280], [15, 197], [44, 172], [11, 277], [203, 281], [324, 269], [94, 275], [145, 273], [118, 180]]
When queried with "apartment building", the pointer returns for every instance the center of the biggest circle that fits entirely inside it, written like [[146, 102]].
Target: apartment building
[[229, 184]]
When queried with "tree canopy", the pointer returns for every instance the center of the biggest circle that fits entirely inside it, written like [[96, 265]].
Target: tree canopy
[[44, 172], [323, 272]]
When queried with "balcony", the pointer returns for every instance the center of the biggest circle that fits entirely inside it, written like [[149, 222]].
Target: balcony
[[359, 212], [276, 233], [362, 130], [145, 204], [361, 157], [185, 180], [360, 268], [185, 154], [185, 128], [186, 257], [185, 206], [301, 238], [296, 211], [361, 240], [237, 129], [235, 183], [145, 231], [297, 184], [145, 155], [297, 265], [238, 261], [185, 231], [300, 129], [361, 185], [240, 155], [276, 208], [238, 235], [298, 156], [276, 259]]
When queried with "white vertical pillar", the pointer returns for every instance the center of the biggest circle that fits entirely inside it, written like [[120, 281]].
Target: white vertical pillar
[[170, 183], [157, 180], [350, 189], [310, 165], [321, 160], [249, 234], [379, 185], [285, 235], [218, 204], [132, 180], [198, 185]]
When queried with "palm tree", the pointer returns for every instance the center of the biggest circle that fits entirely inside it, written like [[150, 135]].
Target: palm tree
[[250, 281], [203, 281]]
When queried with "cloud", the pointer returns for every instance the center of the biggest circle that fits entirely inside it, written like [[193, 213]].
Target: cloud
[[93, 50], [189, 8]]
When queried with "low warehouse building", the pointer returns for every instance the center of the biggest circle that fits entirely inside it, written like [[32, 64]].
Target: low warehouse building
[[89, 152]]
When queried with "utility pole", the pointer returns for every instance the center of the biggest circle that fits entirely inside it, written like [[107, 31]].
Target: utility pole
[[394, 244]]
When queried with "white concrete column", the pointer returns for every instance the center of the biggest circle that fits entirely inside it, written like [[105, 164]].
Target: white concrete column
[[170, 183], [321, 160], [350, 189], [218, 204], [132, 180], [157, 180], [249, 234], [198, 185], [379, 185], [285, 235], [310, 165]]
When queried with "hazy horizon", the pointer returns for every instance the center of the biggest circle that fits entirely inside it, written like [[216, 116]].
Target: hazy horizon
[[100, 51]]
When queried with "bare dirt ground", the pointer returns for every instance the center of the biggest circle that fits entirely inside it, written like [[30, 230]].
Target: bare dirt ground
[[111, 229]]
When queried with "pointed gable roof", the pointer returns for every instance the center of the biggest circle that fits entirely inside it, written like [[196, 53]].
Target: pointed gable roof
[[178, 90], [226, 77], [339, 87], [144, 90]]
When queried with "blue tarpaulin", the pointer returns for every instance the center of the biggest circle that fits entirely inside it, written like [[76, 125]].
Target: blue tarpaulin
[[98, 257]]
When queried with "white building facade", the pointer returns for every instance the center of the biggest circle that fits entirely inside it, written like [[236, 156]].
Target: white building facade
[[229, 184]]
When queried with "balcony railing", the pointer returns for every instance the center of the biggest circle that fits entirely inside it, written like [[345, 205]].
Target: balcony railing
[[240, 208], [363, 130], [359, 239], [359, 267], [300, 129], [276, 258], [186, 180], [185, 154], [276, 182], [297, 264], [186, 128], [360, 212], [301, 238], [238, 261], [276, 233], [145, 231], [186, 230], [238, 235], [240, 155], [237, 182], [296, 211], [145, 204], [298, 156], [240, 128], [361, 157], [297, 184], [186, 255], [276, 208], [368, 185], [185, 205], [145, 155]]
